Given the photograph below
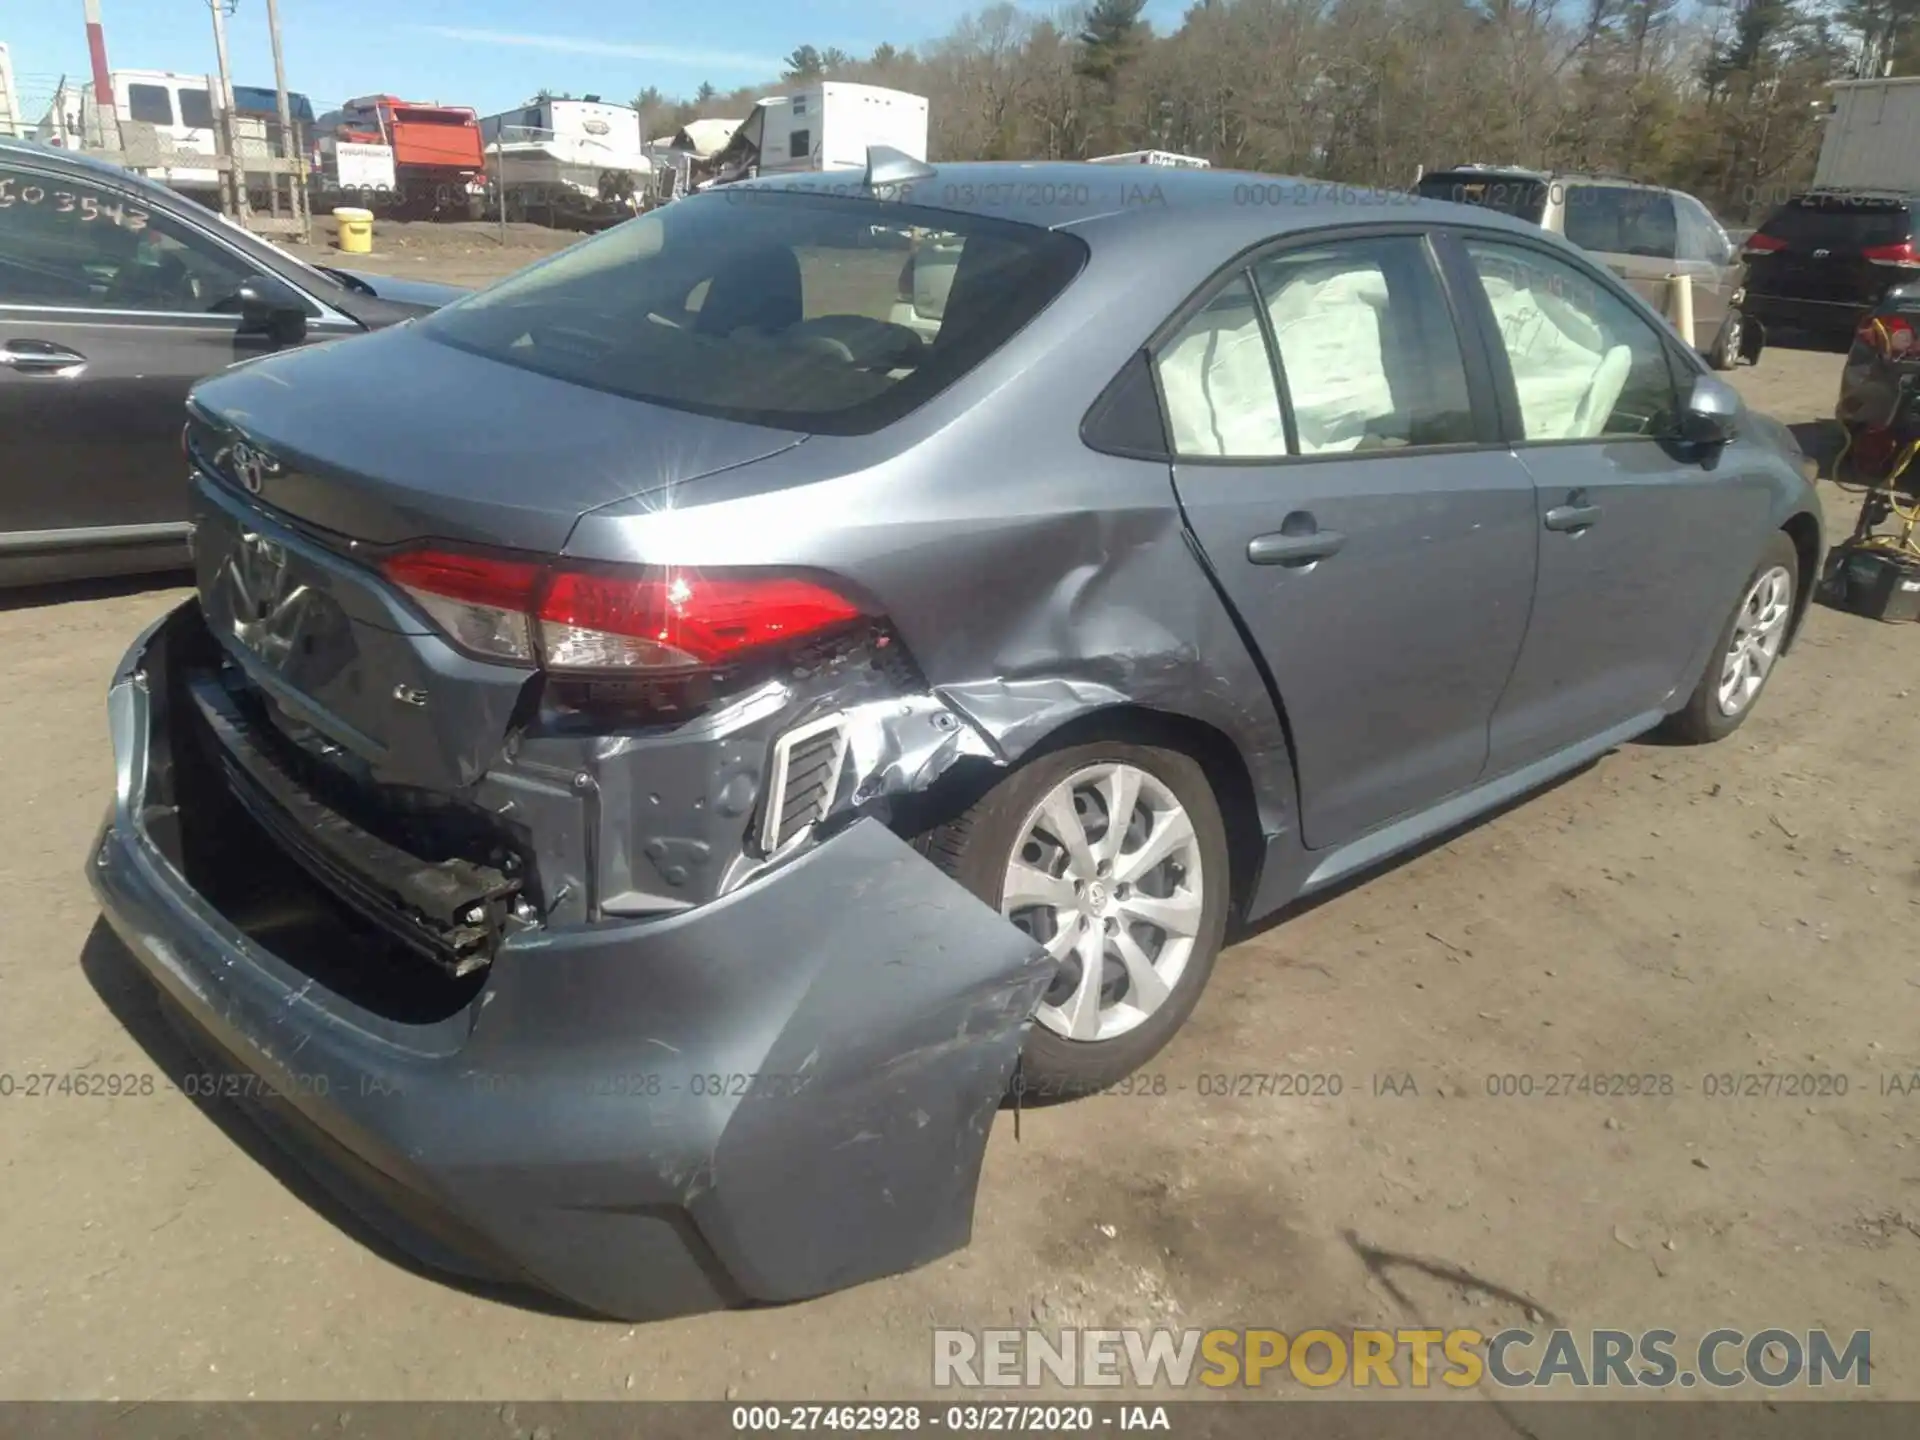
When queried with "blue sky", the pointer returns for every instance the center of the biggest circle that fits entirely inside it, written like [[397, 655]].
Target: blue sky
[[490, 54]]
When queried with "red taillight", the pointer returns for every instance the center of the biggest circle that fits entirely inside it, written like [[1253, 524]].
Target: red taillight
[[483, 603], [675, 619], [1762, 245], [1901, 254], [638, 619]]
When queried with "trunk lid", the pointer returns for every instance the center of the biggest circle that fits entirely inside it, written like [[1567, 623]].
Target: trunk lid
[[349, 674], [312, 461], [394, 437]]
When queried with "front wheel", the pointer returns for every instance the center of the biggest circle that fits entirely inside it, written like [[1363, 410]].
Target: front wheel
[[1744, 656], [1113, 857]]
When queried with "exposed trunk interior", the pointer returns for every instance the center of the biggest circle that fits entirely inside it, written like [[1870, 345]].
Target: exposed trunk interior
[[243, 871]]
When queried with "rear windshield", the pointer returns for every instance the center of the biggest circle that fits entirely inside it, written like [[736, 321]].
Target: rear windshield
[[1522, 196], [821, 314], [1839, 222]]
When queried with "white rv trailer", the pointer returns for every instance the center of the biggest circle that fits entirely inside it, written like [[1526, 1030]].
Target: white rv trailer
[[564, 144], [827, 126], [1153, 157]]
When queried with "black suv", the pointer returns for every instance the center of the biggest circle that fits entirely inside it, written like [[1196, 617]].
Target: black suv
[[1825, 258]]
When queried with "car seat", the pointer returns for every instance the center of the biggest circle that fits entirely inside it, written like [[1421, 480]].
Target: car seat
[[759, 289], [1603, 393], [153, 281]]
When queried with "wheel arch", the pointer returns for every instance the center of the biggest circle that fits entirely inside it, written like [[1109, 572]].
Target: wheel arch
[[1803, 528], [1220, 759]]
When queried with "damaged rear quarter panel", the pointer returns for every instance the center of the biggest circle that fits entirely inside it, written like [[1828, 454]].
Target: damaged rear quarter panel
[[1032, 580]]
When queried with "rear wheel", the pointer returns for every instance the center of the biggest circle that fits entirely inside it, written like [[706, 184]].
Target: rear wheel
[[1113, 857], [1749, 644], [1725, 354]]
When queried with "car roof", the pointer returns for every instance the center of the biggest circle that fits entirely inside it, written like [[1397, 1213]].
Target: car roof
[[1845, 194], [1525, 172], [1073, 194]]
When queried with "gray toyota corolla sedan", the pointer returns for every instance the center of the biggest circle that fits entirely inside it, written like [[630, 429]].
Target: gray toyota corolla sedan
[[664, 744]]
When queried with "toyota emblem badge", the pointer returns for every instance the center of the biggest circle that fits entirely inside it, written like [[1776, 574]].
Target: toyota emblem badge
[[251, 466]]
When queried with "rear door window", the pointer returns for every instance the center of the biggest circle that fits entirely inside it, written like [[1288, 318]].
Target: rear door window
[[1368, 358], [772, 307], [1622, 220], [1701, 238], [1368, 352], [1217, 378]]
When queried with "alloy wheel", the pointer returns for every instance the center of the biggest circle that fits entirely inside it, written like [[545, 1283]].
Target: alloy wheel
[[1107, 875], [1758, 630]]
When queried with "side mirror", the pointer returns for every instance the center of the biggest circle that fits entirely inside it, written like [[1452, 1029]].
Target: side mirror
[[270, 306], [1711, 412]]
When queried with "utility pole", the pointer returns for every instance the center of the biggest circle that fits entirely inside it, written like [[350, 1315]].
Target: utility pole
[[233, 179], [97, 49], [500, 183], [106, 118], [292, 146]]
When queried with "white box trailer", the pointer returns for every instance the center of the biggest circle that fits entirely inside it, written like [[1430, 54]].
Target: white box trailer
[[830, 125], [352, 168], [1872, 139], [179, 108]]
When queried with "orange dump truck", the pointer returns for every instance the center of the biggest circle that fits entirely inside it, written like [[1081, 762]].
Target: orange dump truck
[[438, 163]]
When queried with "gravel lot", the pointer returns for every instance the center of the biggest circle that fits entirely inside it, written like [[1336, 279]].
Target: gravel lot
[[1677, 912]]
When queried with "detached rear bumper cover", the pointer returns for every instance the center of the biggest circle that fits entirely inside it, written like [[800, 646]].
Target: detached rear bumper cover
[[781, 1093]]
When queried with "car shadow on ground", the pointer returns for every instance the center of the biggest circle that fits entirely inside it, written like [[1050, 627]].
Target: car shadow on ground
[[1238, 931], [132, 1000], [1835, 343], [1823, 440], [1820, 440], [63, 592]]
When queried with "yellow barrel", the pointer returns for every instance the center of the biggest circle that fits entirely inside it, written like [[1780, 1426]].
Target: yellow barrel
[[356, 230]]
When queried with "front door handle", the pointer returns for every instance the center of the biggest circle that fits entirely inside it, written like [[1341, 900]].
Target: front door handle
[[1284, 549], [41, 357], [1573, 518]]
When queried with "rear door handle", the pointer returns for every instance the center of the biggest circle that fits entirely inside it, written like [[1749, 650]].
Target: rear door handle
[[1284, 549], [1572, 517], [40, 357]]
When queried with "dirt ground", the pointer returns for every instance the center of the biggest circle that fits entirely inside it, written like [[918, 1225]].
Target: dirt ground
[[462, 253], [1746, 907]]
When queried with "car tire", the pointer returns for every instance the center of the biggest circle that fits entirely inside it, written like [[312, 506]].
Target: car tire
[[1013, 824], [1725, 354], [1759, 625]]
